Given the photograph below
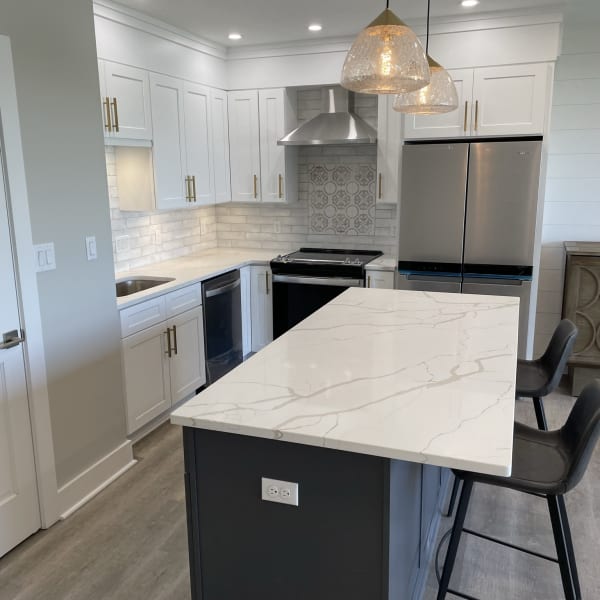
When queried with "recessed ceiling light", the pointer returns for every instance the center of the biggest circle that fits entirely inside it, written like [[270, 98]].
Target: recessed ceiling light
[[469, 3], [237, 36], [315, 27]]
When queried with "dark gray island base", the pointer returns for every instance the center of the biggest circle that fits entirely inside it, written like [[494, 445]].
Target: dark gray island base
[[363, 530]]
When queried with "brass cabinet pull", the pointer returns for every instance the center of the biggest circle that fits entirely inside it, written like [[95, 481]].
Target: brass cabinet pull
[[116, 124], [280, 186], [380, 195], [108, 124], [476, 114], [169, 351], [267, 281], [188, 194], [255, 186], [466, 109], [175, 340], [368, 281], [193, 191]]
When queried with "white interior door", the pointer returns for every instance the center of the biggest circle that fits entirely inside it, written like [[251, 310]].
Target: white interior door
[[19, 509]]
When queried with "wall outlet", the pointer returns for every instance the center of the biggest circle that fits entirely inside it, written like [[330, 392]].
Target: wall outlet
[[91, 249], [44, 256], [283, 492], [203, 227], [122, 243]]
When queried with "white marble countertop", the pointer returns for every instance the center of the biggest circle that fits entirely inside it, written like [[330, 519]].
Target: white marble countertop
[[418, 376], [191, 269], [383, 263]]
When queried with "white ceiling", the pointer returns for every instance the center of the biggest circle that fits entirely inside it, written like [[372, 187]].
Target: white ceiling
[[275, 21]]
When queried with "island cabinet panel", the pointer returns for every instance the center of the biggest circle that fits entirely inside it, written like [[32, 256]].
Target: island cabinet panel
[[354, 535]]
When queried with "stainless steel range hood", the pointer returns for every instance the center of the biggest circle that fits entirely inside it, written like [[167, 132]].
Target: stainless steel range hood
[[337, 124]]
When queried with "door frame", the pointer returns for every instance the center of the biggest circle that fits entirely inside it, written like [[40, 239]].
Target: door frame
[[27, 290]]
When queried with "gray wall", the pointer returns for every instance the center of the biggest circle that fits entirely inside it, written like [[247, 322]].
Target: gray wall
[[54, 55]]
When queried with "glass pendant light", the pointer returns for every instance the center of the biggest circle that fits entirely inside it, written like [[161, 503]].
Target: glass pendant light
[[386, 58], [438, 97]]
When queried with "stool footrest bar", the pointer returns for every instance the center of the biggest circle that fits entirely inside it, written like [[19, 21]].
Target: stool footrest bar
[[461, 595]]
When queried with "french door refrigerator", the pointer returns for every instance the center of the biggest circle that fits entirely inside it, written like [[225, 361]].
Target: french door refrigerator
[[467, 219]]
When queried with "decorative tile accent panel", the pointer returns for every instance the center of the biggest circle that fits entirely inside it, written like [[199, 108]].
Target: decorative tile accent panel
[[341, 198]]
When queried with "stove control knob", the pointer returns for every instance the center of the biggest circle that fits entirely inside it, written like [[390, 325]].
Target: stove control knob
[[347, 260], [279, 258], [357, 261]]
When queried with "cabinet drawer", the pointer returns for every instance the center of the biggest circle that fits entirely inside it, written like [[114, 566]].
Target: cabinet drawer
[[183, 299], [143, 315]]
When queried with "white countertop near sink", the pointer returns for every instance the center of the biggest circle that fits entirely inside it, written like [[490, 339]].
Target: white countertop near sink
[[192, 269], [419, 376]]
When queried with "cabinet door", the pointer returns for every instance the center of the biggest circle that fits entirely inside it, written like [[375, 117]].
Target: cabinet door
[[167, 123], [389, 148], [448, 125], [244, 146], [245, 280], [261, 305], [510, 100], [383, 280], [220, 146], [128, 90], [198, 146], [146, 370], [187, 364], [271, 107]]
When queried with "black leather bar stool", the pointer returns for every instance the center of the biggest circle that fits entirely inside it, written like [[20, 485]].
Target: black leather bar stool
[[546, 464], [538, 378]]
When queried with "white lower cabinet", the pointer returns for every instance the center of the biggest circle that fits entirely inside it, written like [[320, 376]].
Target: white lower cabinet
[[164, 363], [245, 280], [380, 279], [261, 306]]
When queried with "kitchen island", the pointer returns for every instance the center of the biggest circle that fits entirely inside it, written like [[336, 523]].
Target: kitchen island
[[360, 405]]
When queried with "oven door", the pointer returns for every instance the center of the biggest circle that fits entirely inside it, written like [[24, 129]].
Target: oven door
[[296, 297]]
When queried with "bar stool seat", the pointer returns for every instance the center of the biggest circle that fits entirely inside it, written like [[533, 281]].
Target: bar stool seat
[[546, 464]]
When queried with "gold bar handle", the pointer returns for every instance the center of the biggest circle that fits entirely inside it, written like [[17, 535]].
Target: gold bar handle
[[193, 191], [116, 124], [108, 124], [267, 281], [280, 186], [476, 114], [255, 186], [175, 340], [380, 194], [169, 351], [368, 281], [188, 195], [466, 113]]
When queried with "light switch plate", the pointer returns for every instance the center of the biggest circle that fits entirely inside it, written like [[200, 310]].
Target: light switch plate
[[282, 492], [44, 257], [90, 247]]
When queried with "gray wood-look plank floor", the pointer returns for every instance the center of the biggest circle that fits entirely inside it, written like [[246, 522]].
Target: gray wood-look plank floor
[[130, 541]]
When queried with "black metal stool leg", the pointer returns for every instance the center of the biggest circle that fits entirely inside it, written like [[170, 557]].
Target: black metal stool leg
[[561, 548], [455, 487], [569, 544], [540, 414], [457, 528]]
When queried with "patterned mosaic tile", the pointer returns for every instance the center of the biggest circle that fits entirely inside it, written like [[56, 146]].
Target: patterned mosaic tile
[[341, 198]]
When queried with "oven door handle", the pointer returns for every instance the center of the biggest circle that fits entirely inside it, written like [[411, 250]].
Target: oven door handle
[[335, 281], [223, 290]]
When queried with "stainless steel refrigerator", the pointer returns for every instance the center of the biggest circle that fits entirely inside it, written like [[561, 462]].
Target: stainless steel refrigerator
[[467, 219]]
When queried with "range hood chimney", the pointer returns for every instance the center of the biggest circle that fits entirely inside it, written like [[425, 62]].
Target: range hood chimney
[[337, 124]]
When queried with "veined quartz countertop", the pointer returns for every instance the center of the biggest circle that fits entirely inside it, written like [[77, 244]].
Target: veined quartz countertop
[[418, 376], [192, 269]]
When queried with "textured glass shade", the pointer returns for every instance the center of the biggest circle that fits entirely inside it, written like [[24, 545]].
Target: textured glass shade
[[385, 58], [438, 97]]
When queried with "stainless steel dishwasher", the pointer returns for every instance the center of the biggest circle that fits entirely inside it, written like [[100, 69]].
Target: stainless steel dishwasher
[[222, 305]]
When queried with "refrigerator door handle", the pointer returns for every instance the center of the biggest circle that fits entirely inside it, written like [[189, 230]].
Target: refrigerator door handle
[[430, 277], [494, 281]]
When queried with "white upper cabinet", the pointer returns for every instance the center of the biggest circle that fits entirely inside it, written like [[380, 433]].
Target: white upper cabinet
[[244, 145], [261, 170], [172, 189], [125, 95], [448, 125], [389, 148], [508, 100], [199, 178], [220, 145]]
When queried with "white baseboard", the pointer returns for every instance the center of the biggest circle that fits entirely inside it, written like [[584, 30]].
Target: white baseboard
[[74, 494]]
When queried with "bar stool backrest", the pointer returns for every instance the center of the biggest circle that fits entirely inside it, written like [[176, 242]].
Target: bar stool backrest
[[581, 432], [554, 360]]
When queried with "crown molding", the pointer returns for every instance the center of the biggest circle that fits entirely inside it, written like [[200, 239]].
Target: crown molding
[[112, 11], [438, 26]]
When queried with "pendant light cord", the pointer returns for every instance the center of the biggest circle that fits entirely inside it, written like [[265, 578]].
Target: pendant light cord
[[427, 40]]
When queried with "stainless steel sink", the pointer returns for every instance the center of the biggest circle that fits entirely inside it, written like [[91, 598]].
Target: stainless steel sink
[[125, 287]]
